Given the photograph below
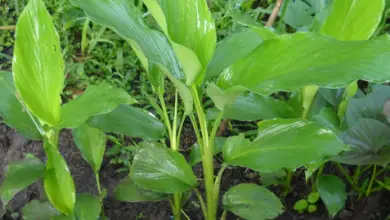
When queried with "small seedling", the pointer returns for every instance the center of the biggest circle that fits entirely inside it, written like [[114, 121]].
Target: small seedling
[[308, 204]]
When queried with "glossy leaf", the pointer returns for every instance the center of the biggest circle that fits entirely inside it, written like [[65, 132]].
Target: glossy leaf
[[191, 30], [301, 59], [251, 201], [87, 207], [250, 107], [332, 192], [37, 64], [58, 182], [130, 121], [369, 140], [328, 119], [151, 46], [91, 143], [232, 49], [12, 111], [20, 175], [282, 143], [128, 191], [196, 154], [39, 210], [370, 106], [162, 170], [346, 22], [96, 100], [312, 167]]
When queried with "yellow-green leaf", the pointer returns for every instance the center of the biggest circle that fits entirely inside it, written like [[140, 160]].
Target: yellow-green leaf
[[353, 19], [58, 182], [37, 65], [191, 30]]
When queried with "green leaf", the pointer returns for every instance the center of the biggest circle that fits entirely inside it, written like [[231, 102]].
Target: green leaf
[[328, 119], [91, 143], [273, 178], [369, 141], [353, 20], [37, 65], [282, 143], [39, 210], [162, 170], [301, 205], [313, 197], [332, 192], [312, 167], [19, 175], [196, 154], [220, 97], [312, 208], [12, 111], [64, 217], [301, 59], [58, 182], [370, 106], [87, 207], [128, 191], [151, 46], [251, 201], [130, 121], [96, 100], [232, 49], [251, 107], [333, 96], [191, 30], [299, 14]]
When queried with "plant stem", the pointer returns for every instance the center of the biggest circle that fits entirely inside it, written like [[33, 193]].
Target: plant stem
[[173, 138], [275, 12], [8, 28], [207, 157], [347, 177], [287, 185], [371, 181], [283, 14], [201, 201], [217, 183], [224, 214], [99, 191], [356, 175], [166, 120], [176, 207]]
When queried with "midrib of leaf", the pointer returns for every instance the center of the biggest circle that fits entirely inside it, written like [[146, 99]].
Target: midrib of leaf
[[347, 15]]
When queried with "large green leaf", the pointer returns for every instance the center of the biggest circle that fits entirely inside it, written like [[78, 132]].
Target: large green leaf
[[12, 111], [292, 61], [332, 193], [151, 46], [282, 143], [39, 210], [128, 191], [58, 182], [370, 106], [353, 20], [130, 121], [162, 170], [232, 49], [369, 141], [19, 175], [252, 202], [96, 100], [191, 30], [299, 14], [92, 144], [37, 65], [87, 207]]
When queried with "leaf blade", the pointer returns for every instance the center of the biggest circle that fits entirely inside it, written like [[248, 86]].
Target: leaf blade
[[37, 64]]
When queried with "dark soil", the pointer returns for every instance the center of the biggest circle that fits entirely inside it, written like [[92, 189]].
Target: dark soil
[[13, 147]]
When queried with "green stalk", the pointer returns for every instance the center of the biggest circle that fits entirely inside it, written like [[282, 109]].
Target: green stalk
[[348, 177], [99, 191], [371, 181], [287, 185], [207, 156], [356, 175], [174, 146]]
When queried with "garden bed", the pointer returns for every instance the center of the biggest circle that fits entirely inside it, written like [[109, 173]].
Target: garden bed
[[13, 146]]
